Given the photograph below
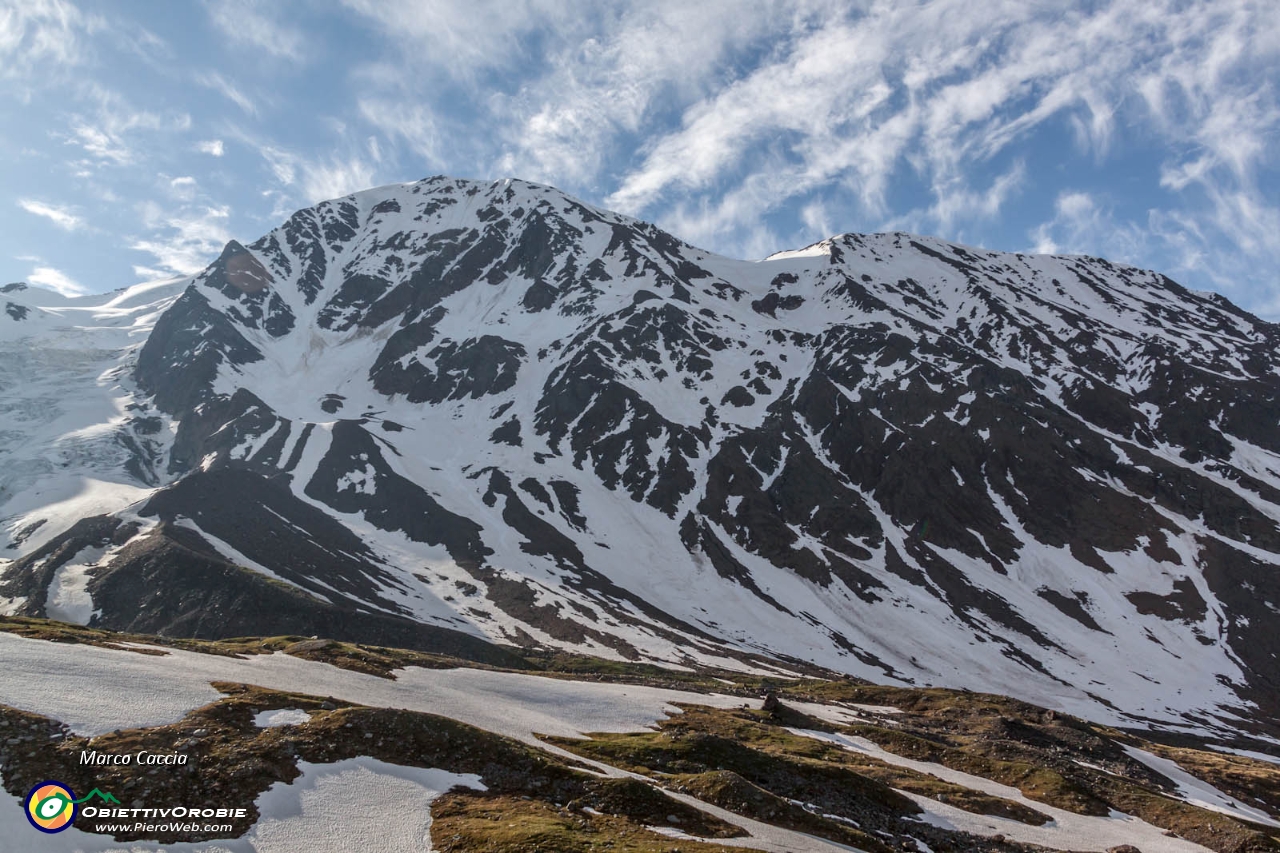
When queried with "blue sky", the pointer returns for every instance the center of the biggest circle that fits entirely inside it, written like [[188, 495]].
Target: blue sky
[[136, 139]]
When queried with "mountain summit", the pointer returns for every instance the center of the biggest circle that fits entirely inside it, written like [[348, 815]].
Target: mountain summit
[[452, 413]]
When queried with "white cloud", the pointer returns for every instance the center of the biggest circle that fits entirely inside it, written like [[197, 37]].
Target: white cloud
[[282, 164], [224, 87], [711, 117], [564, 126], [1086, 224], [40, 34], [461, 37], [321, 178], [557, 84], [936, 91], [1076, 221], [734, 125], [252, 25], [334, 177], [282, 204], [101, 144], [820, 91], [182, 242], [57, 214], [956, 202], [55, 279], [105, 135], [183, 187], [413, 123], [1075, 207], [151, 273]]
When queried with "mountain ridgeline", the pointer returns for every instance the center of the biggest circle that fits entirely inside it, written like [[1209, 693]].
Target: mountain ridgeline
[[446, 413]]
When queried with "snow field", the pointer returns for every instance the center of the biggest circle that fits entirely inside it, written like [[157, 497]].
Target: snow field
[[95, 690], [100, 690]]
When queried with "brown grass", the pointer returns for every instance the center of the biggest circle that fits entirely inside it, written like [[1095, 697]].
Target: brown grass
[[483, 823]]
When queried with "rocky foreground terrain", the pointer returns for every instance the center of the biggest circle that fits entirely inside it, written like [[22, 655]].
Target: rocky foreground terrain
[[671, 759]]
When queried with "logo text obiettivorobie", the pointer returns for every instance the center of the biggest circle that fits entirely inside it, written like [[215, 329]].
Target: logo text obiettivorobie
[[52, 807]]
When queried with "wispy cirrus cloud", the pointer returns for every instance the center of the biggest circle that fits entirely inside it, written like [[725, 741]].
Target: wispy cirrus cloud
[[55, 279], [105, 131], [852, 102], [212, 147], [463, 39], [604, 92], [42, 34], [1076, 223], [312, 179], [952, 100], [258, 27], [183, 187], [220, 84], [181, 240], [744, 128], [100, 143], [414, 125], [59, 215], [332, 177]]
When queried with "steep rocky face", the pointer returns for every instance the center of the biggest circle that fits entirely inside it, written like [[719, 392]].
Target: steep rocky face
[[491, 408]]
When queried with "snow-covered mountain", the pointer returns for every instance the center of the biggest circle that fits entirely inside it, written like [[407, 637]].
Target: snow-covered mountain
[[452, 411]]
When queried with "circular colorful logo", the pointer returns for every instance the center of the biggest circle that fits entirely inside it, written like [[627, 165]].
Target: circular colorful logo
[[51, 807]]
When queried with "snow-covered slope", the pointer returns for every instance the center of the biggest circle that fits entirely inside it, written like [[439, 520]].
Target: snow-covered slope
[[75, 436], [492, 409]]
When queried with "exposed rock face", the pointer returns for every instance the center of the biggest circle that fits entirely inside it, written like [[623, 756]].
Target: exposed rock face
[[190, 590], [180, 360], [492, 408]]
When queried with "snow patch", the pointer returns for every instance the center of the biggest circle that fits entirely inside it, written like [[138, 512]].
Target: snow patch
[[279, 718], [357, 804], [1197, 792], [102, 690], [69, 597]]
